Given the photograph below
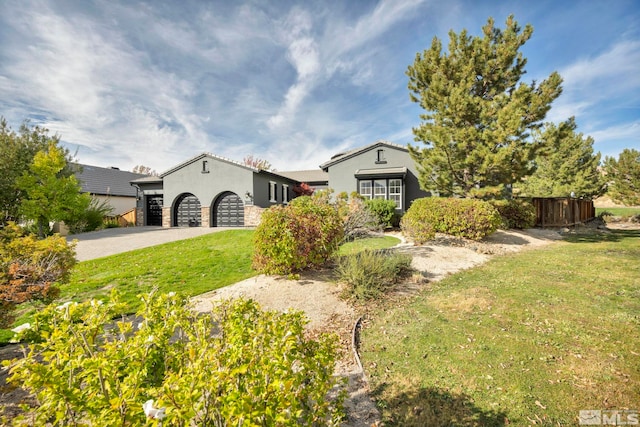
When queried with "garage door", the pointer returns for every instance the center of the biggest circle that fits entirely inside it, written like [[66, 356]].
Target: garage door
[[229, 211], [187, 211], [154, 210]]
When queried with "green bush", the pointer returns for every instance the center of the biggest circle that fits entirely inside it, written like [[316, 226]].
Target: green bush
[[31, 269], [302, 235], [236, 365], [368, 274], [516, 213], [92, 218], [468, 218], [385, 210]]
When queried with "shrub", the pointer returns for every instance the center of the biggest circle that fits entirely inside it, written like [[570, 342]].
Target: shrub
[[302, 235], [468, 218], [235, 366], [385, 210], [90, 219], [31, 269], [368, 274], [516, 213], [359, 221]]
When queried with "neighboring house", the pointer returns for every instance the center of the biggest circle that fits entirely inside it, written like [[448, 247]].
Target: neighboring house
[[211, 191], [110, 185]]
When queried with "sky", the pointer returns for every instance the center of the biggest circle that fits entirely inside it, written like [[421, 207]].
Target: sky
[[126, 82]]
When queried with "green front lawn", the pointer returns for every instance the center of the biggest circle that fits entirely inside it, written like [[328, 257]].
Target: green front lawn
[[623, 212], [529, 338]]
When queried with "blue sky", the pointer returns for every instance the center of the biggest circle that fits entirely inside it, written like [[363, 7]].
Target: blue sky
[[293, 82]]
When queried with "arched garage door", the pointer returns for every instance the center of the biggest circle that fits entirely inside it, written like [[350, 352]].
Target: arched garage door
[[187, 212], [228, 211]]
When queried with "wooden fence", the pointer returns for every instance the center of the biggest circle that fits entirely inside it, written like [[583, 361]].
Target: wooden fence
[[562, 211]]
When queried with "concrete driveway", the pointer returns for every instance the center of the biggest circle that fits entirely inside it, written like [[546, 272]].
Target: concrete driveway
[[97, 244]]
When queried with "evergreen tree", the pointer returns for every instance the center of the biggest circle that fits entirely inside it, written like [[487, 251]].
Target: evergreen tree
[[623, 177], [478, 114], [565, 165]]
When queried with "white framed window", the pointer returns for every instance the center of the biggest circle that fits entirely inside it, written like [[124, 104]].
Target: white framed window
[[380, 189], [365, 189], [285, 193], [395, 192], [272, 192]]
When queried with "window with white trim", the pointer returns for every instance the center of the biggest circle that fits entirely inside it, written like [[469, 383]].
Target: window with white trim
[[395, 192], [388, 189], [272, 192], [365, 189], [380, 189], [285, 193]]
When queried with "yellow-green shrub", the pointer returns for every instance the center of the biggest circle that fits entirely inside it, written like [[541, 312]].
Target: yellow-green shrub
[[468, 218], [235, 366]]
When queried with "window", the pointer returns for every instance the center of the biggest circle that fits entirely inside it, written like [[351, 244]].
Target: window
[[365, 189], [387, 189], [380, 156], [272, 192], [395, 192], [205, 166], [285, 193], [380, 189]]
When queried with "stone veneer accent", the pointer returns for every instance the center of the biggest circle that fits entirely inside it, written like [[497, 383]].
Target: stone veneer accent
[[139, 217], [252, 215], [205, 216], [166, 216]]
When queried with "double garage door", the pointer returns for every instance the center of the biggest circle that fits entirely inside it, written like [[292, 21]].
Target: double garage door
[[228, 211]]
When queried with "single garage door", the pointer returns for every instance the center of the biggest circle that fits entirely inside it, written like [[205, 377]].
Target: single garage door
[[187, 211], [228, 211], [154, 210]]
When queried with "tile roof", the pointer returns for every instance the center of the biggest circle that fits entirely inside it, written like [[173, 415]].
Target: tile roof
[[107, 181]]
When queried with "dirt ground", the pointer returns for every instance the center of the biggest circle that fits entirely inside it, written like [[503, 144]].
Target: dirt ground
[[319, 297]]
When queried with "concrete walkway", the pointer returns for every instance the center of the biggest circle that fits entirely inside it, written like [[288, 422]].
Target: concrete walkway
[[97, 244]]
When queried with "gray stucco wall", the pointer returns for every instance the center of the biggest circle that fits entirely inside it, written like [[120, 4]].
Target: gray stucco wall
[[207, 186], [342, 174], [261, 182]]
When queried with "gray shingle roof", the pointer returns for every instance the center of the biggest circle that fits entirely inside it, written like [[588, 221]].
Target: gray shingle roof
[[107, 181], [308, 176]]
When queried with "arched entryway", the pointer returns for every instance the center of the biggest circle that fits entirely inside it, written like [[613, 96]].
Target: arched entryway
[[228, 211], [187, 212]]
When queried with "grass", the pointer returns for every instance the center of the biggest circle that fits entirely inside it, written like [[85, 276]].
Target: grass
[[623, 212], [528, 338], [372, 243]]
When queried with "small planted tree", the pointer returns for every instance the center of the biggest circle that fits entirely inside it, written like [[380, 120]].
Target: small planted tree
[[301, 235], [49, 193]]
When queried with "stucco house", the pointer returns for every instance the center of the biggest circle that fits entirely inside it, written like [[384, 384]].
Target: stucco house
[[212, 191], [109, 185]]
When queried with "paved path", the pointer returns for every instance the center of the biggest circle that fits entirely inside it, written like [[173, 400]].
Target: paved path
[[97, 244]]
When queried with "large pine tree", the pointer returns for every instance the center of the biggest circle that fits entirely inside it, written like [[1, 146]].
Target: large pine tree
[[478, 115], [565, 166]]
